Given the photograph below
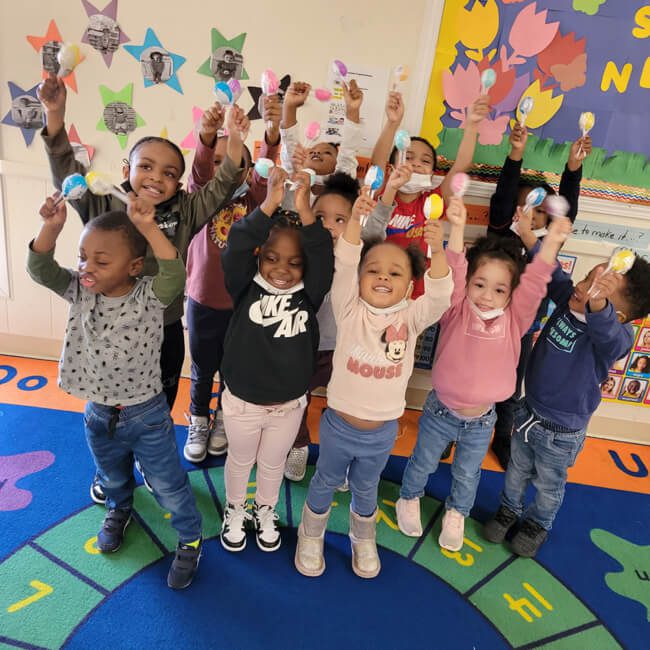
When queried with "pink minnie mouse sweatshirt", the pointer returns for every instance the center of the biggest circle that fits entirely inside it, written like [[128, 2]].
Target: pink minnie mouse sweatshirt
[[373, 358]]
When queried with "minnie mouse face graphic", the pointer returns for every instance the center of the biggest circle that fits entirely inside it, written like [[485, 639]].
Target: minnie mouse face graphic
[[395, 339]]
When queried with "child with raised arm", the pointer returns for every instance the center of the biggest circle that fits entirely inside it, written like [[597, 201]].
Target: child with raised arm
[[377, 325], [324, 157], [492, 305], [209, 306], [111, 357], [583, 337], [510, 193], [277, 275]]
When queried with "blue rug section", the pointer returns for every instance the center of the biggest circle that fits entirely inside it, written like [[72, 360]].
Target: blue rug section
[[257, 600]]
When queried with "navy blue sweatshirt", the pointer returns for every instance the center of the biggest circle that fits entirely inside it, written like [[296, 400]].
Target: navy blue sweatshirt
[[571, 358], [272, 339]]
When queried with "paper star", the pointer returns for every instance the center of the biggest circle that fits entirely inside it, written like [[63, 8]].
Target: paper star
[[256, 93], [171, 66], [26, 111], [164, 133], [74, 138], [220, 41], [52, 37], [189, 141], [103, 33], [119, 116]]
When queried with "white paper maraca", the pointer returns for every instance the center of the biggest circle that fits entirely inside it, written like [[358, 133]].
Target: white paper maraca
[[586, 122], [399, 73], [223, 93], [402, 143], [69, 57], [459, 184], [72, 188], [99, 185], [534, 199], [621, 261], [488, 79], [556, 206], [526, 105], [340, 70], [263, 167], [374, 179]]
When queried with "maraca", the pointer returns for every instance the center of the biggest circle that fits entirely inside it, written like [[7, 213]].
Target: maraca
[[235, 89], [400, 73], [69, 57], [292, 185], [72, 188], [223, 93], [100, 186], [263, 167], [534, 198], [312, 133], [374, 179], [621, 261], [322, 94], [525, 108], [402, 143], [556, 206], [433, 208], [488, 79], [459, 184], [270, 86], [585, 123], [340, 70]]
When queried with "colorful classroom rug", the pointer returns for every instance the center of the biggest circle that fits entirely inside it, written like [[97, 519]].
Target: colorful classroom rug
[[589, 587]]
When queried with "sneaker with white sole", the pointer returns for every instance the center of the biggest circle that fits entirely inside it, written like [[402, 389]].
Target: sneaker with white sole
[[233, 529], [195, 449], [408, 516], [296, 465], [217, 443], [97, 493], [453, 530], [266, 528]]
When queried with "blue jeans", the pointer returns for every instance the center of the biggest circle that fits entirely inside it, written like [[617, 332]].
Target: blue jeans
[[362, 453], [438, 427], [147, 431], [540, 453]]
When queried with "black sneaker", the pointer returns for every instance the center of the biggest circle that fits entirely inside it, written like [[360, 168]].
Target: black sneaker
[[496, 529], [110, 537], [184, 565], [266, 528], [528, 539], [97, 492], [447, 452], [501, 449], [233, 529]]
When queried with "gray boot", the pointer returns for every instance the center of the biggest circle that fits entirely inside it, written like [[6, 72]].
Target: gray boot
[[363, 531], [309, 558]]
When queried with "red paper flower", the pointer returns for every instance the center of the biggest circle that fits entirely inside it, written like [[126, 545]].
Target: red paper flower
[[504, 82], [564, 59]]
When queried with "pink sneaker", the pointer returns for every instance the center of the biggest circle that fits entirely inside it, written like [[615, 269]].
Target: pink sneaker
[[408, 516], [453, 530]]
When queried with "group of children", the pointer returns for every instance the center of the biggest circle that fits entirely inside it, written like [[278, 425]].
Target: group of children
[[304, 280]]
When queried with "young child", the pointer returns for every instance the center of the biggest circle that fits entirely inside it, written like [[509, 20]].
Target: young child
[[492, 305], [333, 208], [583, 337], [510, 193], [324, 157], [377, 325], [153, 170], [209, 306], [111, 358], [278, 276], [406, 223]]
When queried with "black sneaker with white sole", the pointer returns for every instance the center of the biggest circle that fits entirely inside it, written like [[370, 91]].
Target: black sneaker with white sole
[[111, 535], [233, 529], [184, 565], [266, 528], [97, 492]]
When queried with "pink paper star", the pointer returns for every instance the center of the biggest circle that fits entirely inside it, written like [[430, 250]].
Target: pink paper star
[[190, 139]]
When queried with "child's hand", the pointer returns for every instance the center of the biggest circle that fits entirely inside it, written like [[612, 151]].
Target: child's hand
[[399, 176], [211, 122], [579, 150], [559, 230], [603, 287], [524, 220], [456, 212], [242, 123], [302, 197], [433, 234], [53, 215], [272, 114], [518, 138], [274, 191], [353, 97], [141, 212], [235, 119], [297, 94], [364, 205], [299, 157], [52, 94], [478, 110], [394, 108]]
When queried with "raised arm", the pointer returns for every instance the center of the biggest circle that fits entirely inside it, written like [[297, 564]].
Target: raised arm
[[572, 174], [457, 216], [351, 141], [294, 98], [377, 221], [203, 163], [269, 149], [394, 116]]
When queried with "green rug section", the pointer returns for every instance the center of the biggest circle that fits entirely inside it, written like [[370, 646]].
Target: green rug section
[[595, 638]]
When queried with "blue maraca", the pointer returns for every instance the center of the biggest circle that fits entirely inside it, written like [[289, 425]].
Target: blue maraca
[[72, 188], [374, 179], [223, 93], [263, 167]]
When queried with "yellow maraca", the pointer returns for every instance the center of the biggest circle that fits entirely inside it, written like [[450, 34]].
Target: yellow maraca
[[585, 123], [433, 208], [621, 262]]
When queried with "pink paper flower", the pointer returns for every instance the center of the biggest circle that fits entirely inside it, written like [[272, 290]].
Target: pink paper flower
[[491, 131], [529, 34], [462, 86]]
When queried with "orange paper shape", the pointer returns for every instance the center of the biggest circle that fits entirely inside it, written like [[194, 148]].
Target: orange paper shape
[[52, 34]]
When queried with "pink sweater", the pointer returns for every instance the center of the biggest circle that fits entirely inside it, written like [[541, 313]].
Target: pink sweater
[[476, 360], [373, 358]]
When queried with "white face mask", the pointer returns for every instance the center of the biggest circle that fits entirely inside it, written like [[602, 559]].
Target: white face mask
[[384, 311], [486, 315], [539, 232], [417, 183]]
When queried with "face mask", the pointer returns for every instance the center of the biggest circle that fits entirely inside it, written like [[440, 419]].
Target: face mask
[[417, 183], [384, 311], [241, 190], [320, 180], [539, 232], [267, 286], [486, 315]]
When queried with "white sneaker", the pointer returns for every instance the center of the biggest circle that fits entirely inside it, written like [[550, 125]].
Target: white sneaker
[[218, 443], [296, 465], [268, 535], [408, 516], [453, 530], [233, 529], [197, 439]]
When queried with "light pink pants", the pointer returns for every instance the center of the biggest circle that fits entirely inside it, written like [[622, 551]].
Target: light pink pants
[[262, 435]]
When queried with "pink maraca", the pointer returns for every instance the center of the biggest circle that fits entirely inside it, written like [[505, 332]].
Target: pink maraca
[[459, 184], [312, 133], [270, 86]]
